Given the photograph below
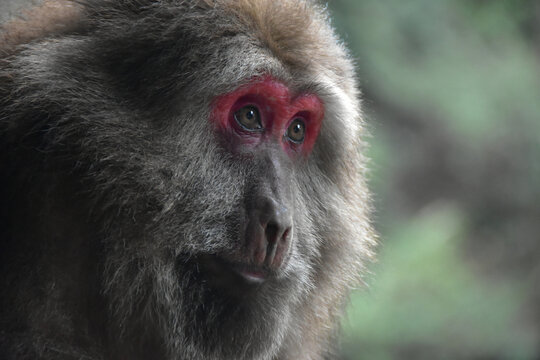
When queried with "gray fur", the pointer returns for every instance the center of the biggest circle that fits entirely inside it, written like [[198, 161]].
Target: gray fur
[[112, 185]]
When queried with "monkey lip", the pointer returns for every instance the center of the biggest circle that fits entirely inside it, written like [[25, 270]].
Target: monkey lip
[[251, 275], [233, 275]]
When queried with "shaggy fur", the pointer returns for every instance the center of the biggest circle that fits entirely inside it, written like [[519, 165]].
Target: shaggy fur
[[113, 185]]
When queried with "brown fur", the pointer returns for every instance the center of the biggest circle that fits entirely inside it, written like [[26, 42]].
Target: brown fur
[[49, 18], [284, 27]]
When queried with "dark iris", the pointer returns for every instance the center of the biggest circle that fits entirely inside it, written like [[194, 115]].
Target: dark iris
[[297, 130], [248, 117]]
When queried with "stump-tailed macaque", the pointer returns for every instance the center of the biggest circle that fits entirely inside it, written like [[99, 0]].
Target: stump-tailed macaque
[[179, 179]]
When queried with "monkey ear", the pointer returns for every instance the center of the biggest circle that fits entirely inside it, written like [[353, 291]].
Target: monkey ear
[[49, 17]]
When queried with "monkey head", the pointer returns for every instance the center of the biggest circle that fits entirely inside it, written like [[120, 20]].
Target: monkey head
[[188, 177]]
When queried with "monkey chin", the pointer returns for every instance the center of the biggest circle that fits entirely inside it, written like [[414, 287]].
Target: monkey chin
[[236, 278]]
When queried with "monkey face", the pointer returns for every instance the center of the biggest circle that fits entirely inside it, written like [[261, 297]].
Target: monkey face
[[263, 124]]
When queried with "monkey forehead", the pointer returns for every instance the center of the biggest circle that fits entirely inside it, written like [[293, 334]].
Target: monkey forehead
[[297, 32], [275, 37]]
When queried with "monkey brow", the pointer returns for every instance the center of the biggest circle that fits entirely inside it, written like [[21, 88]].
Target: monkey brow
[[312, 87]]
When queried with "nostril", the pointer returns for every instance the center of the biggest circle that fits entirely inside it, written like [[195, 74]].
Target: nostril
[[285, 235], [272, 233]]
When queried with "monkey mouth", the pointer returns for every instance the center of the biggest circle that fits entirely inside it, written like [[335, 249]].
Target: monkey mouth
[[235, 277], [252, 276]]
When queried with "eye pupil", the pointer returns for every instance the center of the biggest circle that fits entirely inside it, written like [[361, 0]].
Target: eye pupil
[[248, 117]]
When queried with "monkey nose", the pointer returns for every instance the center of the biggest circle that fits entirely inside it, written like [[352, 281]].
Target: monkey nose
[[268, 234]]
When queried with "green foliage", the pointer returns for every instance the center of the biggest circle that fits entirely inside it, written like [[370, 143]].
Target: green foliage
[[452, 90], [463, 61], [426, 300]]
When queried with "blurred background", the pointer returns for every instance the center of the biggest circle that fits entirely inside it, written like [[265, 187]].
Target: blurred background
[[451, 92]]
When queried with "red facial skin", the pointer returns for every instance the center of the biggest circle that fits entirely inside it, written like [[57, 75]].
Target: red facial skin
[[277, 109]]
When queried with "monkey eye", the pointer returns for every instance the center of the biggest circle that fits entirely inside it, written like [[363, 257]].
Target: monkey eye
[[248, 117], [296, 131]]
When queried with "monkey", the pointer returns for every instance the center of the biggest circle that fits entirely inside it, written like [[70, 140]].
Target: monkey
[[180, 179]]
